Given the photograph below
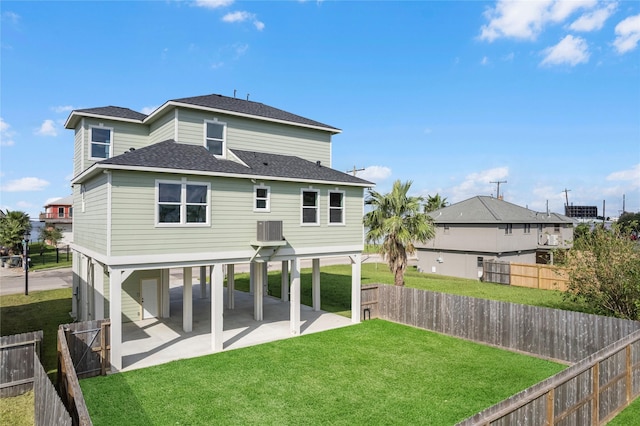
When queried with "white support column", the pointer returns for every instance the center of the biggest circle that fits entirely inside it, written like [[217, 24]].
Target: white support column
[[257, 291], [115, 315], [294, 315], [356, 273], [284, 285], [315, 284], [166, 295], [265, 279], [203, 282], [187, 300], [217, 308], [252, 277], [231, 286], [98, 278]]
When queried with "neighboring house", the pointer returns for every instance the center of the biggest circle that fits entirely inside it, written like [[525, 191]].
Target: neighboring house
[[486, 228], [59, 214], [208, 181]]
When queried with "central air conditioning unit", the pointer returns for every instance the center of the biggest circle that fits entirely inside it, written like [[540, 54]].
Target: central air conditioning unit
[[553, 240], [269, 230]]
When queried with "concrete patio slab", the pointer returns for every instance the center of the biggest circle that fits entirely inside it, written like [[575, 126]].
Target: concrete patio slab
[[160, 340]]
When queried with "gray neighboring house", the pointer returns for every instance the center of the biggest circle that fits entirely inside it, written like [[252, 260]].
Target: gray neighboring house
[[206, 182], [486, 228]]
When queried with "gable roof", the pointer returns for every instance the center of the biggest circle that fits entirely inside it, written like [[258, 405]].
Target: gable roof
[[172, 157], [65, 201], [213, 102], [488, 210]]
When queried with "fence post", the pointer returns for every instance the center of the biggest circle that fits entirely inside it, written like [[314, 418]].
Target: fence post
[[550, 407]]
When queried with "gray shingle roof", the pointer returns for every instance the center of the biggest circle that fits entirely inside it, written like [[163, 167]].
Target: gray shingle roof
[[172, 155], [114, 111], [250, 108], [484, 209]]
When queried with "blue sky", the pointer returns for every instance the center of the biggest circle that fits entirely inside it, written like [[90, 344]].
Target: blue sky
[[451, 95]]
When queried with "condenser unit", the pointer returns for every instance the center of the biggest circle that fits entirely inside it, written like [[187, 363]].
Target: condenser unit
[[269, 230]]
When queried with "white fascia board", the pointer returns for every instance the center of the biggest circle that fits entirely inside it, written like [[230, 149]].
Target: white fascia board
[[169, 104], [97, 167], [76, 114]]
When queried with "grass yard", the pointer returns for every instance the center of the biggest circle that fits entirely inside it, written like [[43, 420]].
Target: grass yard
[[375, 372], [336, 287]]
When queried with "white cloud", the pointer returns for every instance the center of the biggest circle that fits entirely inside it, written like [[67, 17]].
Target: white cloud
[[149, 109], [212, 4], [526, 19], [6, 134], [11, 16], [627, 34], [25, 184], [594, 20], [62, 108], [242, 16], [571, 50], [632, 174], [479, 183], [24, 204], [374, 173], [48, 128], [484, 61]]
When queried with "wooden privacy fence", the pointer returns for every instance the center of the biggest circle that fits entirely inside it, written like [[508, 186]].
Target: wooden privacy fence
[[16, 361], [83, 351], [544, 277], [49, 409], [590, 392]]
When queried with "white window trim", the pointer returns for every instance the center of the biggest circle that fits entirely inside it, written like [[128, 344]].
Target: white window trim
[[329, 208], [91, 142], [183, 204], [267, 209], [224, 136], [317, 222]]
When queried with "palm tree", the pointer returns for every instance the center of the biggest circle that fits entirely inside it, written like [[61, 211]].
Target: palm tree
[[397, 221], [12, 229], [435, 203]]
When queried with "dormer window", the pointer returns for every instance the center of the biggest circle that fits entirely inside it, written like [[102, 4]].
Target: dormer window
[[101, 138], [214, 137]]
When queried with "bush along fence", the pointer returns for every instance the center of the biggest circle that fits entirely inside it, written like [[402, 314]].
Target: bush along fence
[[543, 277], [83, 351], [607, 350], [16, 358]]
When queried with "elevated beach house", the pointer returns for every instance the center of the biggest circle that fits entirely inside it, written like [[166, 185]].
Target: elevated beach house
[[209, 182]]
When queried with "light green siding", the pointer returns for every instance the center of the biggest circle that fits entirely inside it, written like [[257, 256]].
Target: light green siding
[[163, 128], [77, 151], [125, 136], [90, 223], [233, 221], [255, 135]]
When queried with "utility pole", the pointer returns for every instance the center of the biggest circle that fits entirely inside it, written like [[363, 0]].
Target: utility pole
[[566, 196], [354, 171], [498, 191]]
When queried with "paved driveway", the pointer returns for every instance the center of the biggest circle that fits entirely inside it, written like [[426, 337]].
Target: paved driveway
[[12, 280]]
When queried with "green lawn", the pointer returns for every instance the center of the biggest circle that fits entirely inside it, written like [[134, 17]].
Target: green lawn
[[629, 417], [376, 372], [45, 257]]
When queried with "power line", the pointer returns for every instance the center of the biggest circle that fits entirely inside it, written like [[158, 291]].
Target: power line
[[498, 182], [354, 171]]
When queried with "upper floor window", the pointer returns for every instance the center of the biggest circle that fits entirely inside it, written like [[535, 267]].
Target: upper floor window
[[336, 207], [70, 211], [556, 228], [262, 201], [60, 211], [101, 138], [527, 228], [182, 203], [214, 137], [310, 206], [446, 229], [509, 229]]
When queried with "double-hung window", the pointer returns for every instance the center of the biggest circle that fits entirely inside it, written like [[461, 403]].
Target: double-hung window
[[60, 211], [214, 137], [310, 207], [182, 203], [101, 139], [262, 201], [336, 207]]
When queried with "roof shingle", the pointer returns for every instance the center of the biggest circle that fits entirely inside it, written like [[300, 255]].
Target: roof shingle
[[114, 111]]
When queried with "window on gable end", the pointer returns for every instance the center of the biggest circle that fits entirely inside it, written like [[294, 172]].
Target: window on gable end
[[101, 139], [214, 137]]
